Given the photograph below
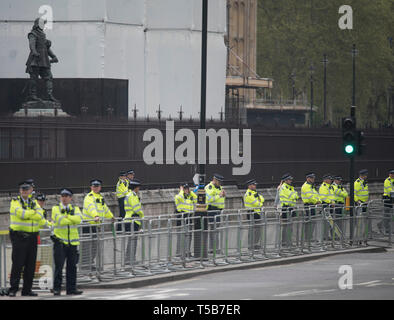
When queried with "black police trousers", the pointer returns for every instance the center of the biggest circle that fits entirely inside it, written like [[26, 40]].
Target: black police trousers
[[61, 253], [24, 256]]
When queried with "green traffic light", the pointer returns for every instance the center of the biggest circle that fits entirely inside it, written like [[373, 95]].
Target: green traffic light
[[349, 149]]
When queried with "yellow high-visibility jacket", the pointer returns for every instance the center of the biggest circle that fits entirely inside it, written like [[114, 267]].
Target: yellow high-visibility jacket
[[309, 194], [26, 216], [326, 193], [184, 203], [340, 193], [132, 207], [253, 200], [66, 221], [213, 197], [95, 206], [287, 195], [122, 188], [361, 192], [388, 186]]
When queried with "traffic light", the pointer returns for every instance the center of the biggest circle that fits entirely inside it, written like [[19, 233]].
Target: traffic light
[[349, 136], [360, 145]]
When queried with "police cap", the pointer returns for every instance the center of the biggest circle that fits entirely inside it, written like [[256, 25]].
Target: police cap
[[134, 184], [310, 175], [218, 177], [130, 172], [66, 192], [24, 185], [95, 182], [327, 176], [41, 197], [252, 181], [363, 171], [287, 176]]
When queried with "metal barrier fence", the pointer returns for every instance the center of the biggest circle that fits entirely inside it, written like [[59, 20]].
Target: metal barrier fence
[[114, 250]]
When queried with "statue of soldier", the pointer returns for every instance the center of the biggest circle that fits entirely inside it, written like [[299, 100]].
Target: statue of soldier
[[38, 64]]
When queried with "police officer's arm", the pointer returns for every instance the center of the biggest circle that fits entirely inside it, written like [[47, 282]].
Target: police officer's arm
[[178, 202], [107, 212], [17, 209], [193, 196], [89, 211], [58, 218], [77, 217]]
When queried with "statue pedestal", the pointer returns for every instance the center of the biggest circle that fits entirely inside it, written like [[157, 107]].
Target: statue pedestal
[[41, 109]]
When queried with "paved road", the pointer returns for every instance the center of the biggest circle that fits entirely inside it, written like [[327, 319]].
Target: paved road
[[373, 278]]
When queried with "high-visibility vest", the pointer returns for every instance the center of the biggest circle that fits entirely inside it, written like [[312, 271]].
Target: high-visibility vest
[[66, 221], [309, 194], [213, 197], [326, 193], [388, 187], [122, 188], [26, 216], [184, 203], [340, 193], [132, 207], [253, 200], [95, 206], [361, 192], [287, 195]]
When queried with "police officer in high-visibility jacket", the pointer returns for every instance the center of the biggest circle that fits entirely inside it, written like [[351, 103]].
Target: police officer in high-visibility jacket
[[310, 197], [66, 218], [122, 188], [134, 211], [26, 219], [361, 193], [326, 191], [184, 208], [215, 199], [361, 196], [340, 195], [288, 197], [388, 199], [95, 210], [254, 202]]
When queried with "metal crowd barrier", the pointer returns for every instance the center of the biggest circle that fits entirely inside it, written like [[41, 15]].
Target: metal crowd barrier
[[114, 249]]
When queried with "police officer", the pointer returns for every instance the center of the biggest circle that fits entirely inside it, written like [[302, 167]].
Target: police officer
[[184, 208], [288, 198], [122, 188], [41, 198], [340, 195], [94, 211], [388, 199], [26, 218], [254, 202], [326, 191], [215, 199], [66, 218], [310, 197], [134, 211], [361, 196], [361, 193], [130, 175]]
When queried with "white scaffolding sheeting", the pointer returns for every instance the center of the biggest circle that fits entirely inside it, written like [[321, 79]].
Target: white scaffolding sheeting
[[155, 44]]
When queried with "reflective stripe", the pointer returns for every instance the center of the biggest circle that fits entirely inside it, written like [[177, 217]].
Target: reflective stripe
[[25, 224], [65, 227]]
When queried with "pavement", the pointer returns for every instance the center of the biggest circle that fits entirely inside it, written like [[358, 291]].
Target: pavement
[[140, 281]]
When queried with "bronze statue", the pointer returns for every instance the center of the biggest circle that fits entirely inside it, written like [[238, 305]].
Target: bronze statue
[[38, 64]]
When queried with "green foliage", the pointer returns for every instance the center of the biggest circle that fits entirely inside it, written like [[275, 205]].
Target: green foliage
[[293, 34]]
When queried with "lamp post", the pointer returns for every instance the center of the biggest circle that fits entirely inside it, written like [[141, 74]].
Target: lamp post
[[201, 222]]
